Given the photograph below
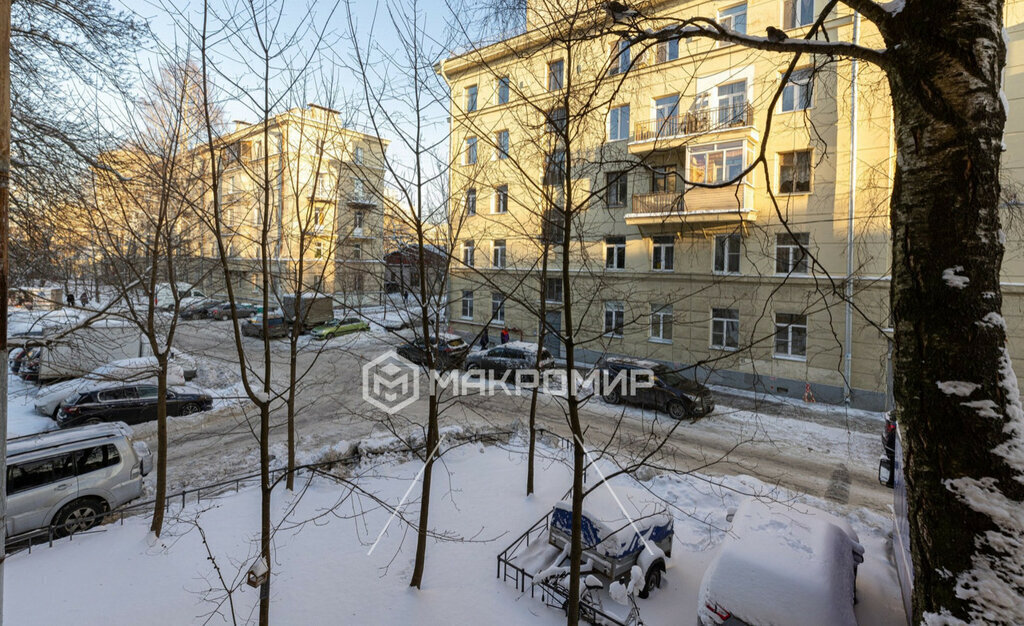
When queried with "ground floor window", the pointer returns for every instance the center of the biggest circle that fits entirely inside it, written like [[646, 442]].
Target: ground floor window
[[661, 322], [614, 318], [467, 305], [790, 334], [498, 306], [725, 328]]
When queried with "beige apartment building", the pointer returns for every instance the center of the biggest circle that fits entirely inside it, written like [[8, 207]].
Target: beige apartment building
[[665, 264], [327, 207]]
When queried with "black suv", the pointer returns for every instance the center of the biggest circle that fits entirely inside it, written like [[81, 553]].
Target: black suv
[[672, 393], [128, 403], [451, 353]]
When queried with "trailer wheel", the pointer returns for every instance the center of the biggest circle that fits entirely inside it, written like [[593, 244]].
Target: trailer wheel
[[652, 579]]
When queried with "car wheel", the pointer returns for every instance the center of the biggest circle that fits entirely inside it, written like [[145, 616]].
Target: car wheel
[[225, 317], [676, 409], [78, 516], [189, 409], [652, 580], [92, 420], [612, 397]]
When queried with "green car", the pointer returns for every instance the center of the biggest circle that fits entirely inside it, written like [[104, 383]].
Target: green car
[[336, 327]]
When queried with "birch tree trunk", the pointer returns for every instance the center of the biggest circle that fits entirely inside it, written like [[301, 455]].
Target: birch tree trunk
[[954, 384]]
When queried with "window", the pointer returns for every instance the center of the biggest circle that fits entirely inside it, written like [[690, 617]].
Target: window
[[501, 144], [615, 188], [725, 328], [663, 179], [499, 253], [732, 104], [471, 98], [554, 168], [795, 172], [359, 155], [553, 293], [357, 220], [557, 121], [357, 251], [99, 457], [797, 13], [666, 109], [715, 163], [470, 150], [661, 322], [727, 254], [789, 253], [503, 90], [667, 51], [500, 199], [790, 335], [467, 305], [620, 58], [471, 202], [796, 95], [618, 123], [615, 253], [31, 474], [319, 216], [468, 251], [556, 70], [497, 306], [614, 318], [357, 282], [318, 249], [358, 190], [734, 18], [662, 255]]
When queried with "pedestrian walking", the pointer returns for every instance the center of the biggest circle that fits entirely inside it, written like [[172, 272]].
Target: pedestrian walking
[[71, 299], [485, 340], [504, 335], [85, 298]]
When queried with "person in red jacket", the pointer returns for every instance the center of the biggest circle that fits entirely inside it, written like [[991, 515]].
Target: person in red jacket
[[504, 335]]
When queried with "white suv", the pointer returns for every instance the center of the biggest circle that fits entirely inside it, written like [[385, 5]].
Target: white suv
[[68, 479]]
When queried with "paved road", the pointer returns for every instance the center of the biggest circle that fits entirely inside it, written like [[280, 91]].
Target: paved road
[[825, 454]]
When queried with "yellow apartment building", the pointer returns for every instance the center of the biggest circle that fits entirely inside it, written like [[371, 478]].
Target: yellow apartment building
[[668, 262], [326, 203]]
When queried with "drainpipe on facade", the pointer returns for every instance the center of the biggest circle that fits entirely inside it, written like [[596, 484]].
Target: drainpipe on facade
[[848, 338]]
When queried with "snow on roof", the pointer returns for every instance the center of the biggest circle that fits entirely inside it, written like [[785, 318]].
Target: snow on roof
[[526, 346], [782, 565]]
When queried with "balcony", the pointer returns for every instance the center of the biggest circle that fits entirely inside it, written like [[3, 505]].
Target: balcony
[[729, 122], [697, 208]]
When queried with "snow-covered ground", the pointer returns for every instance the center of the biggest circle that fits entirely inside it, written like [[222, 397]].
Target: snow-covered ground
[[324, 574]]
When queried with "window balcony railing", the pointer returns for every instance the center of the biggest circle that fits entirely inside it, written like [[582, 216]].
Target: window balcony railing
[[696, 199], [695, 122]]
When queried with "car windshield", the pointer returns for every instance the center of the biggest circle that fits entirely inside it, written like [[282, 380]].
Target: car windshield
[[674, 379]]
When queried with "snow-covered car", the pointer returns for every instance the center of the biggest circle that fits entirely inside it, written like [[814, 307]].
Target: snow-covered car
[[141, 369], [779, 564], [449, 350], [509, 357], [613, 542]]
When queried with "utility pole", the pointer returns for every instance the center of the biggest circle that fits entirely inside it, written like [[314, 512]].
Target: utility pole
[[5, 178]]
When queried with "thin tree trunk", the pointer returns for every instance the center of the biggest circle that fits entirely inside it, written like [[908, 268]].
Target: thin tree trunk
[[946, 302], [423, 525], [157, 525], [531, 451]]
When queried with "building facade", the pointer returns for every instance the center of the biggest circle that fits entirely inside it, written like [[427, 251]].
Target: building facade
[[778, 282]]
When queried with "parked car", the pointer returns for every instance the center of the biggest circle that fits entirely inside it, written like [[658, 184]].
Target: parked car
[[70, 478], [510, 357], [180, 369], [448, 350], [801, 558], [613, 542], [337, 327], [198, 310], [313, 309], [128, 403], [163, 295], [276, 326], [28, 364], [671, 392], [15, 359], [223, 311]]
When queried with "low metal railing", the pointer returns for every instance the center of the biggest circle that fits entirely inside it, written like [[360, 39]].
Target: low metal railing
[[695, 122]]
